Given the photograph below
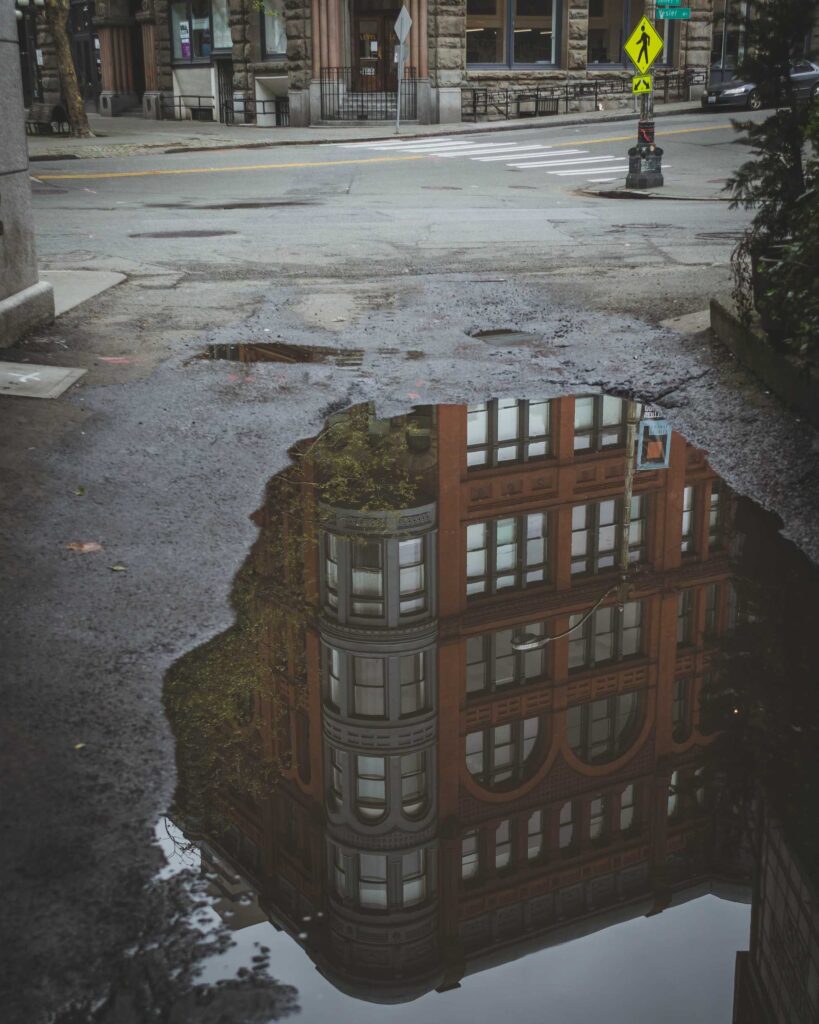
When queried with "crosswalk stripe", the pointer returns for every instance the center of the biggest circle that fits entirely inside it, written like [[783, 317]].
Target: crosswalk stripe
[[477, 151], [598, 170], [420, 148], [394, 143], [566, 163], [549, 152], [588, 170], [455, 150]]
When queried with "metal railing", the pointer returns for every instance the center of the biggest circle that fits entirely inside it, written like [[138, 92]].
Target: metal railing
[[349, 95], [270, 113], [490, 103], [188, 107]]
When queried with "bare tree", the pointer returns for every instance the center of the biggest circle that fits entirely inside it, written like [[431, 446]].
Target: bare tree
[[56, 14]]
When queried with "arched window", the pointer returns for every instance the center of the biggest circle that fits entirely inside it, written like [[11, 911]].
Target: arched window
[[603, 729], [501, 757]]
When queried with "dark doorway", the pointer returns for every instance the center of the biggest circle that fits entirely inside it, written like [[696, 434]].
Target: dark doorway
[[224, 78], [375, 68], [27, 38], [86, 49]]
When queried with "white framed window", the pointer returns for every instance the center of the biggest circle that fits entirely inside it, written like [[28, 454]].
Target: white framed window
[[506, 554]]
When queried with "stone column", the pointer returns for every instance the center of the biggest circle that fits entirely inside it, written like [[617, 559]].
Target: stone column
[[113, 26], [578, 35], [447, 58], [25, 302], [152, 97], [303, 60]]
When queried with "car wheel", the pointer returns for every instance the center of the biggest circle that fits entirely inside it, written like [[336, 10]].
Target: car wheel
[[754, 100]]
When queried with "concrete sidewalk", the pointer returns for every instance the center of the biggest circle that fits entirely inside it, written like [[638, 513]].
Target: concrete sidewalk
[[131, 136]]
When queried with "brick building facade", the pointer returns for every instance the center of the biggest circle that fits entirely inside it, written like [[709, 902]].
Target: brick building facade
[[446, 801]]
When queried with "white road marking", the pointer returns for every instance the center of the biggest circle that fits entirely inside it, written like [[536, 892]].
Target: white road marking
[[567, 163], [587, 170], [549, 152]]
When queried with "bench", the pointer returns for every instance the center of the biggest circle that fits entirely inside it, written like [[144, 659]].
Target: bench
[[43, 117]]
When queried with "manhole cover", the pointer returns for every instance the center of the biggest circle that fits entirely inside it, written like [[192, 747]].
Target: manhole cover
[[505, 336], [203, 233], [283, 352]]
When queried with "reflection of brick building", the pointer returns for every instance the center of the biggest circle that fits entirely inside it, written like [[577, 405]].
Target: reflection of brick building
[[447, 801]]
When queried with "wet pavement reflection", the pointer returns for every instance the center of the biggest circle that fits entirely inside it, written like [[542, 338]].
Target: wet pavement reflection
[[506, 677]]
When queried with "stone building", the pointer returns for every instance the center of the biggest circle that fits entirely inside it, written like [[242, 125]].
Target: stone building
[[248, 61]]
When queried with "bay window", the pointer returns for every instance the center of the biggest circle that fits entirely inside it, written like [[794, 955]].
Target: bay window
[[511, 32]]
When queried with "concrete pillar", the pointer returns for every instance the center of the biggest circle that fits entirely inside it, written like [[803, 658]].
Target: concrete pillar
[[25, 302]]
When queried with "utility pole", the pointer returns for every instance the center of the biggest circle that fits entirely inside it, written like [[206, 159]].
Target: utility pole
[[632, 420]]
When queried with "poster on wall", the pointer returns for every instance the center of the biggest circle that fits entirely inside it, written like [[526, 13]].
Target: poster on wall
[[184, 40]]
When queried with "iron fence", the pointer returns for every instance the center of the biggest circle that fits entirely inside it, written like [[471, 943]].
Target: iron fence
[[489, 103], [347, 95], [270, 113]]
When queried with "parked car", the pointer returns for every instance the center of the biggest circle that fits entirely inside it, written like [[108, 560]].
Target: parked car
[[804, 75]]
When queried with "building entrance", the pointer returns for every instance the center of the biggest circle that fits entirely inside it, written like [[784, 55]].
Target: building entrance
[[375, 47]]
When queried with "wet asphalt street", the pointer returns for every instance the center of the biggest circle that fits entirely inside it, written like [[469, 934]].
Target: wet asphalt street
[[161, 459]]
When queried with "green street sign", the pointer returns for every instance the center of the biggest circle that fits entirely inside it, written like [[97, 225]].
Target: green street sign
[[673, 13], [668, 3]]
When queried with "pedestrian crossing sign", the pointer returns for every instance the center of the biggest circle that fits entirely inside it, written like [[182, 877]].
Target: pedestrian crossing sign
[[643, 46], [641, 85]]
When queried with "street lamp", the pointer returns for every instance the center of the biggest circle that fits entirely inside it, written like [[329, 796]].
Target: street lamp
[[529, 641]]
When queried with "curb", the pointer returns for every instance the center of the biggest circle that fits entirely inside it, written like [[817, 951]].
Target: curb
[[631, 193], [479, 128]]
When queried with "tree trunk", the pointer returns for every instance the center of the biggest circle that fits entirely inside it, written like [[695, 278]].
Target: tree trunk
[[56, 13]]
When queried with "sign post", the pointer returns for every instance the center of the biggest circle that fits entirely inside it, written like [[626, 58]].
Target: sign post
[[403, 24], [643, 47]]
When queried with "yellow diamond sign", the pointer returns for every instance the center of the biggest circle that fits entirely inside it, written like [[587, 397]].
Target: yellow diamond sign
[[643, 46], [641, 85]]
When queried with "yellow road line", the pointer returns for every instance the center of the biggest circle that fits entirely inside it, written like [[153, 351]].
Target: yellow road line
[[86, 175], [96, 175]]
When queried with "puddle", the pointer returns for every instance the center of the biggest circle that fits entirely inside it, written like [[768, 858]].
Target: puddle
[[283, 352], [469, 741]]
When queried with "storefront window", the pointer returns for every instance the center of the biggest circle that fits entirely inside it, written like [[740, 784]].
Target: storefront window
[[275, 38], [511, 32], [198, 27]]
